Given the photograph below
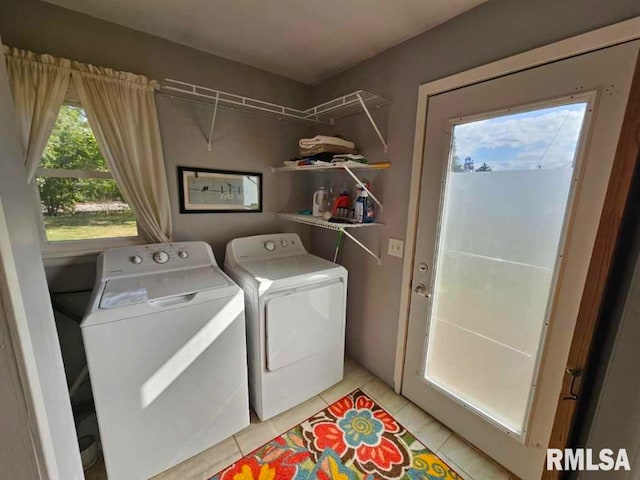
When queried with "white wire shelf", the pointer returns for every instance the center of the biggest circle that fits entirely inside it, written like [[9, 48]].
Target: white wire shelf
[[325, 113], [348, 104], [322, 223], [333, 166], [342, 228], [232, 101]]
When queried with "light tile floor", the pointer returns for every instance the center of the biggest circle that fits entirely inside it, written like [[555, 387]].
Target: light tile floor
[[467, 461]]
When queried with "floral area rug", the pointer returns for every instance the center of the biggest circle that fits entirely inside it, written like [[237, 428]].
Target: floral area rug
[[353, 439]]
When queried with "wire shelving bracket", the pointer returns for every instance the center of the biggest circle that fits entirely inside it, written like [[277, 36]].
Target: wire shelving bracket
[[213, 122], [375, 127], [363, 186]]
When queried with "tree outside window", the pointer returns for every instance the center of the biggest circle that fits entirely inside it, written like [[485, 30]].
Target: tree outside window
[[79, 199]]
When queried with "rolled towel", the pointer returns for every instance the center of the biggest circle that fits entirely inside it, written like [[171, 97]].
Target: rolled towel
[[325, 140]]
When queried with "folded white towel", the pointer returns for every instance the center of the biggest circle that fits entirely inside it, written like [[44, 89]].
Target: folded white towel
[[325, 140]]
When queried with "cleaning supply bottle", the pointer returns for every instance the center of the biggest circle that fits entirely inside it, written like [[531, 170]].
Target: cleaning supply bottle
[[320, 199], [363, 207], [341, 205], [364, 211], [369, 212], [358, 207]]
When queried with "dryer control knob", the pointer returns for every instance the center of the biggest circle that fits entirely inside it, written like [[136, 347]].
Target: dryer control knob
[[136, 259], [284, 243], [269, 245], [183, 254], [161, 256]]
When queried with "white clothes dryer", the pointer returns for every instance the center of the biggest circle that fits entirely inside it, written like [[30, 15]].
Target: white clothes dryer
[[295, 306]]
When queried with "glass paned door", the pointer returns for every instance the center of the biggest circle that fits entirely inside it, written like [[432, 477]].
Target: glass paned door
[[514, 176], [505, 198]]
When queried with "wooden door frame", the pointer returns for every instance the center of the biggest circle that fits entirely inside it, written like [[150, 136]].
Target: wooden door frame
[[624, 165], [610, 220]]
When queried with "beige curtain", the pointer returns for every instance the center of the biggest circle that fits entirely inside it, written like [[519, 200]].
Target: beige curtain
[[122, 112], [38, 85]]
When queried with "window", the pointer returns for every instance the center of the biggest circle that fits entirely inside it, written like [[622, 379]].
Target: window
[[504, 206], [81, 206]]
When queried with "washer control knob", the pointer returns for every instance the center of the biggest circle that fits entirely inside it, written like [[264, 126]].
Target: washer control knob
[[183, 254], [284, 243], [136, 259], [161, 256], [269, 245]]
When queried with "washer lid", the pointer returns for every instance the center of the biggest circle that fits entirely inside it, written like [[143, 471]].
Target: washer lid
[[121, 292]]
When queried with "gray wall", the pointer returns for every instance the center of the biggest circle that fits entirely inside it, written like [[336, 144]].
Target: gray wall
[[494, 30], [241, 141]]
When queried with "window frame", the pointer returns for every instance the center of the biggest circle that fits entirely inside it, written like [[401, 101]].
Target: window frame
[[76, 248]]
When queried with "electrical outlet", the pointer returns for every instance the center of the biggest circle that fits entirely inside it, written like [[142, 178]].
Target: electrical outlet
[[396, 247]]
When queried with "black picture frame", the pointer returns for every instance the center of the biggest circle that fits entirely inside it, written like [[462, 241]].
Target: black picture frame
[[192, 199]]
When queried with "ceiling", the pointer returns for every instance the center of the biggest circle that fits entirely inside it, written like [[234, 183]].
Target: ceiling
[[306, 40]]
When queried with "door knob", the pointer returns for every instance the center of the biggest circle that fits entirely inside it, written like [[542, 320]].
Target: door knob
[[421, 290]]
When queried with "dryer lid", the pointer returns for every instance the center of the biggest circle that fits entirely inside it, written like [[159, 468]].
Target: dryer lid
[[306, 265], [126, 291]]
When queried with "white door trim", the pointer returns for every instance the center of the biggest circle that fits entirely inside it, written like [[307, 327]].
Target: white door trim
[[608, 36], [16, 318]]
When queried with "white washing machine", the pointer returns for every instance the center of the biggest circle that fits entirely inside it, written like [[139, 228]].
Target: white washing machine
[[166, 348], [295, 306]]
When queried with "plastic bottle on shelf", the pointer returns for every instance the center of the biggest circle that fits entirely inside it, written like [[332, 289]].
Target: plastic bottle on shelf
[[341, 205], [370, 214], [320, 201], [364, 210], [358, 212]]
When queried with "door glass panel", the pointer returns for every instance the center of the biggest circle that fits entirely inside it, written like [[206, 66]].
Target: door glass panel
[[506, 194]]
